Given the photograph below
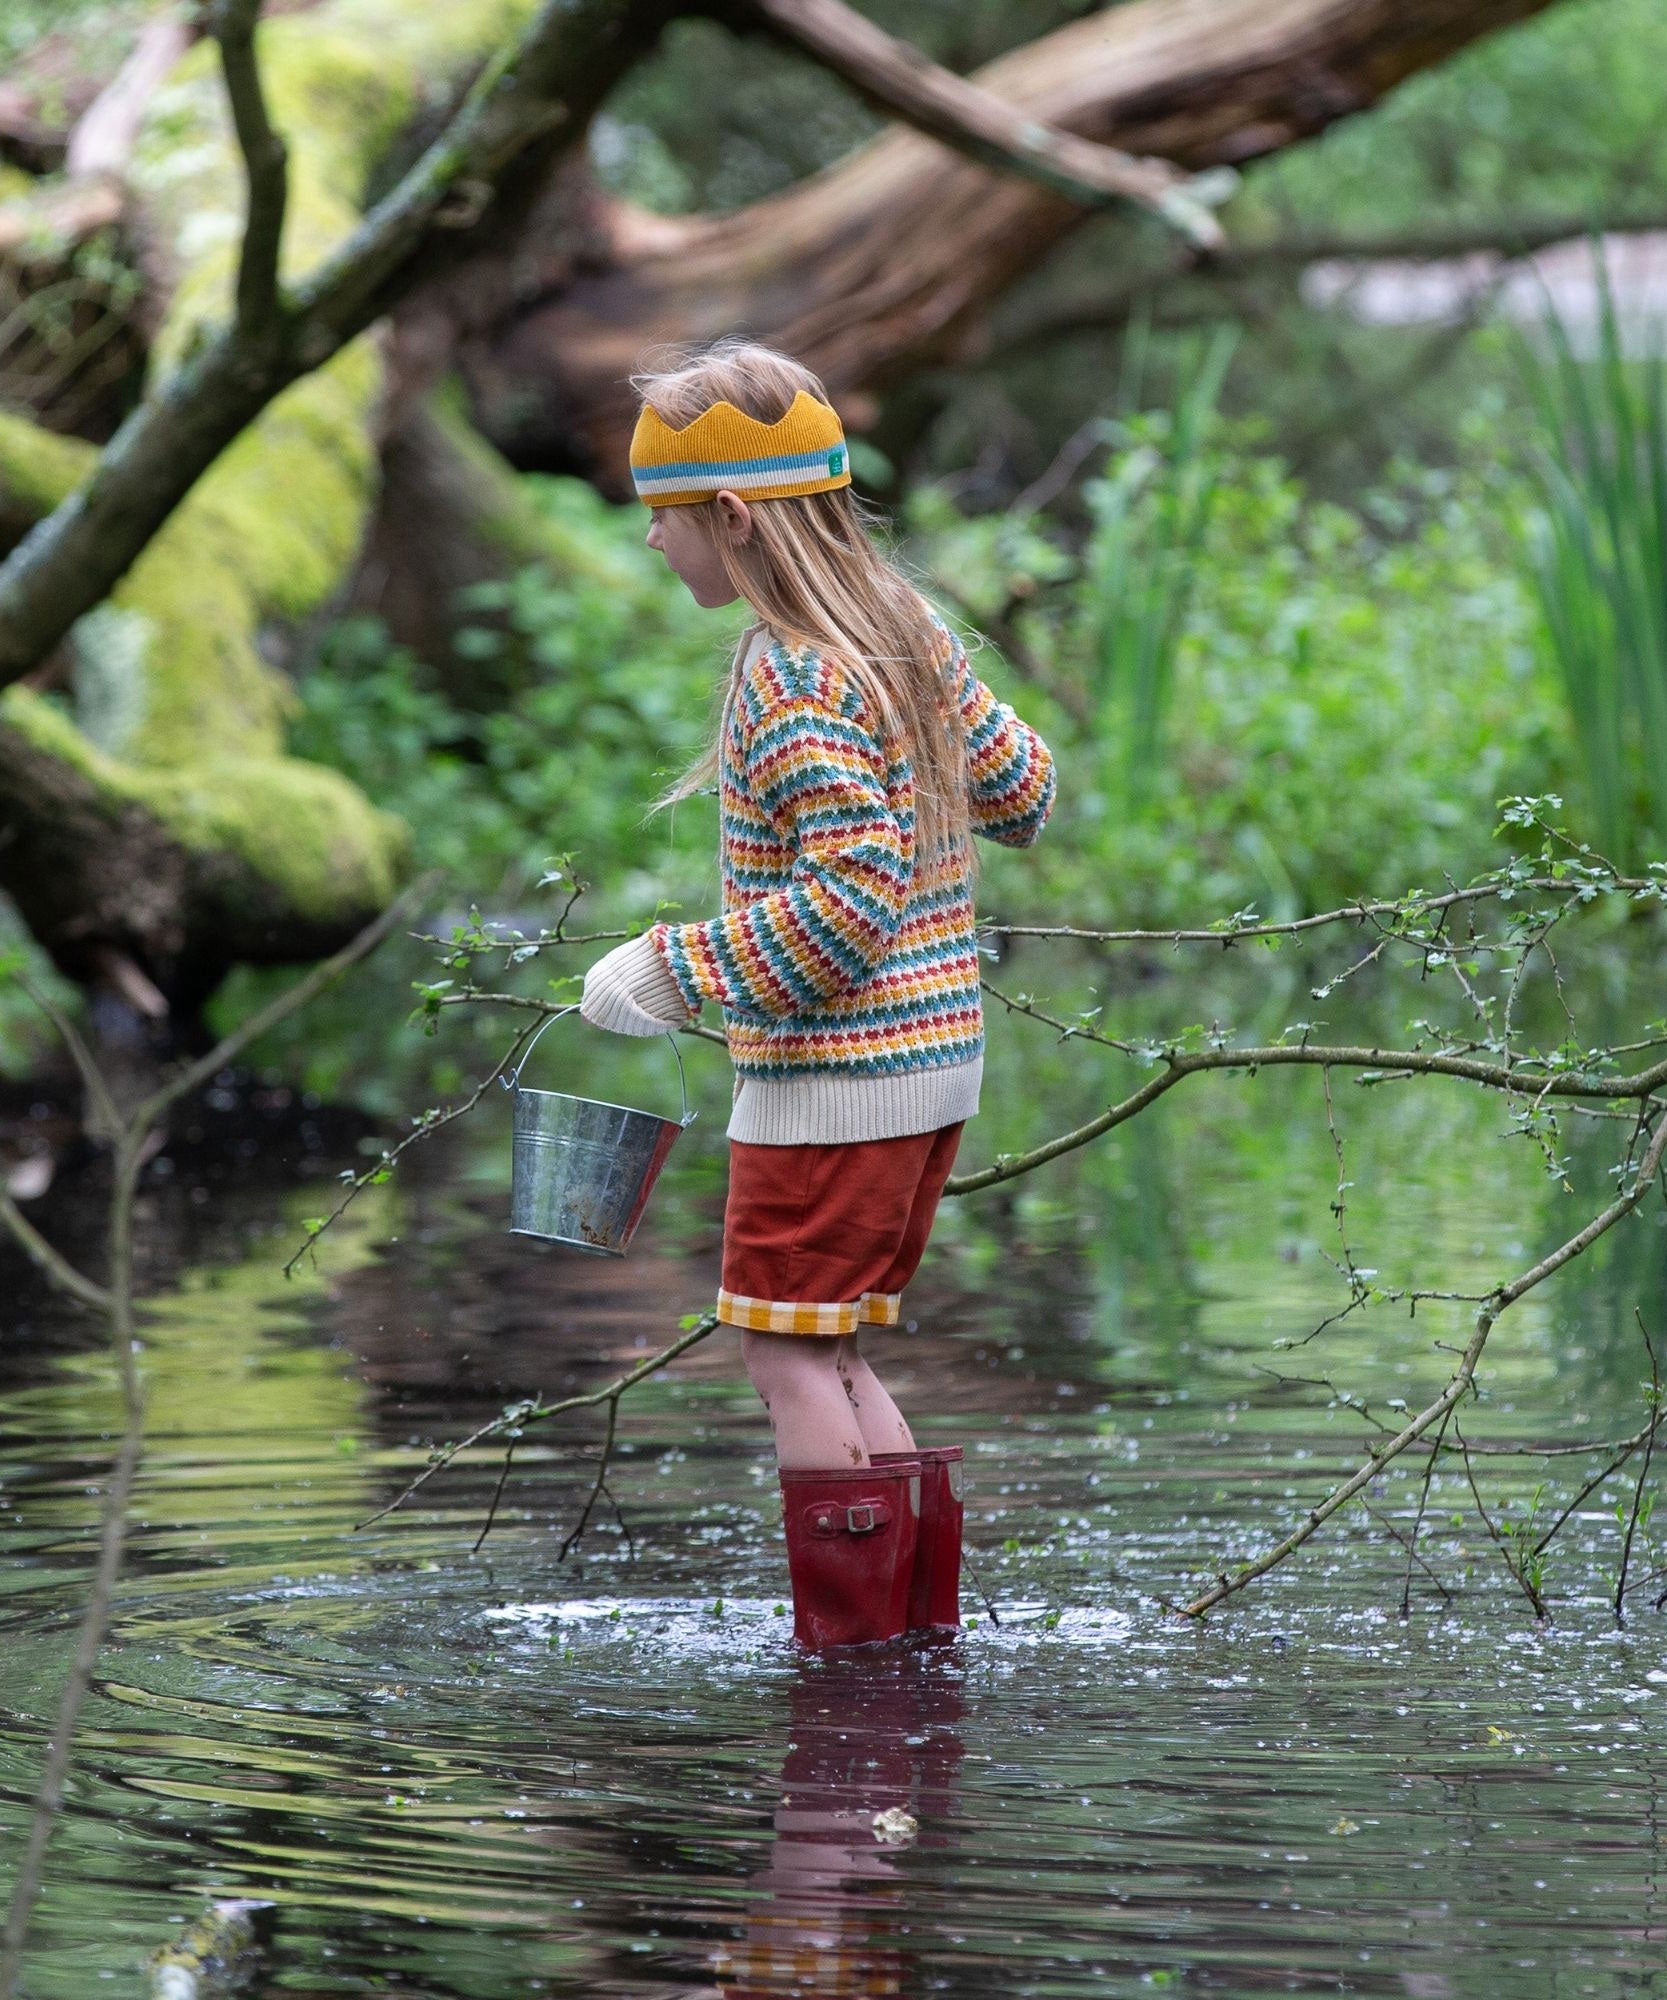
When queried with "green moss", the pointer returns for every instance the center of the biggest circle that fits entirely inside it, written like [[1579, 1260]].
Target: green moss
[[268, 532], [272, 527], [186, 717], [510, 517], [304, 832], [291, 494], [299, 827], [37, 467]]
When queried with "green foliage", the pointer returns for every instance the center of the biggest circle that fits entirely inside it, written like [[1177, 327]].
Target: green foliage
[[1596, 555], [619, 676], [1560, 116], [1346, 695], [1151, 515], [1352, 691]]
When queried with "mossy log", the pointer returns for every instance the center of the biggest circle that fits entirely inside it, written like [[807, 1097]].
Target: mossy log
[[157, 820], [221, 1954]]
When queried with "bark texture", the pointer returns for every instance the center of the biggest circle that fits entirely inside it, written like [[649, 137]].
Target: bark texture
[[889, 260]]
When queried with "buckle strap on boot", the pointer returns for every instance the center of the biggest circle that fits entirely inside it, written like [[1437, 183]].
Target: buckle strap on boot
[[856, 1517]]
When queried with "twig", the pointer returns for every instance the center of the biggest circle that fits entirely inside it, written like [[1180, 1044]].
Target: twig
[[1226, 935], [598, 1486], [1008, 1166], [978, 1585], [1497, 1302], [1516, 1565], [133, 1135], [53, 1265], [301, 994], [266, 162], [49, 1795], [1390, 1529], [107, 1120], [1418, 1518], [1622, 1452], [497, 1492], [1653, 1398], [425, 1128], [519, 1414], [1069, 1031], [1339, 1203]]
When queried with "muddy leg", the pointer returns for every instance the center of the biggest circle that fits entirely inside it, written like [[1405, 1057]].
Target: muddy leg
[[803, 1387], [882, 1423]]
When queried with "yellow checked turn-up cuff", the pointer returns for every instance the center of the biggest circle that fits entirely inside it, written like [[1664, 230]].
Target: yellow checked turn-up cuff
[[807, 1316], [787, 1315]]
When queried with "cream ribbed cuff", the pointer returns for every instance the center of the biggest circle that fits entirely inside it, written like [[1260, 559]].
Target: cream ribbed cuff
[[827, 1109], [631, 992]]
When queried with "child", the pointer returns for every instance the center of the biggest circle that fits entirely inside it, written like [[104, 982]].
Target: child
[[856, 753]]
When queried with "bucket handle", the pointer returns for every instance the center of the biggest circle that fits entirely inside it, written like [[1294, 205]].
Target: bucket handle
[[513, 1080]]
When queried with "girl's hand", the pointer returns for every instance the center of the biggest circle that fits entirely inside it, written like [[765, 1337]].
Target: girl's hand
[[631, 992]]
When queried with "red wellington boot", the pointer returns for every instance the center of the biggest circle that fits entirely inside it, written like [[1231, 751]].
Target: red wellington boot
[[851, 1538], [935, 1589]]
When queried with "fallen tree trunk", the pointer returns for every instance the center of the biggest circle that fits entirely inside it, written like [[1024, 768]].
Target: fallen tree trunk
[[890, 260]]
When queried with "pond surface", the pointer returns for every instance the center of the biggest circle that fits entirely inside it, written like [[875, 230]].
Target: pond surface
[[504, 1775]]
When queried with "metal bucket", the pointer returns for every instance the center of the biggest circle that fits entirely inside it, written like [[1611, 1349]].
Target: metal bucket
[[582, 1171]]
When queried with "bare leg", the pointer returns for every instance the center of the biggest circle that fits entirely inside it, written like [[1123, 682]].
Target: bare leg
[[802, 1386], [882, 1423]]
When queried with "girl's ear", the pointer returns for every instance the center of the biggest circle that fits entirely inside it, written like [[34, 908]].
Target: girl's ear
[[734, 515]]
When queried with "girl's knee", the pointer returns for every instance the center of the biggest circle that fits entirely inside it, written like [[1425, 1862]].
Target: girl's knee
[[777, 1362]]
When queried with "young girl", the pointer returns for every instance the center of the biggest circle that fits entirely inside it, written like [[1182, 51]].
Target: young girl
[[856, 754]]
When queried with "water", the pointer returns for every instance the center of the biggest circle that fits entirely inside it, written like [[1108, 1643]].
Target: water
[[497, 1776]]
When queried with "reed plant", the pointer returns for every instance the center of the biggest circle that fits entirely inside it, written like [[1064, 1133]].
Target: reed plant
[[1595, 549], [1151, 511]]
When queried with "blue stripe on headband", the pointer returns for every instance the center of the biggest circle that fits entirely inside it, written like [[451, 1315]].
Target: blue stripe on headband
[[711, 468]]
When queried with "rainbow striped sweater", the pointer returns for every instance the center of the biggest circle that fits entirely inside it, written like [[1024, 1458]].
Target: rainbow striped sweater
[[832, 957]]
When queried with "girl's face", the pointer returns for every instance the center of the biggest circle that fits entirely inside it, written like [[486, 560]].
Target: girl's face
[[687, 538]]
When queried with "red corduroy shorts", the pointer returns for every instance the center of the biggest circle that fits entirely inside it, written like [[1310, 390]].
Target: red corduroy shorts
[[822, 1239]]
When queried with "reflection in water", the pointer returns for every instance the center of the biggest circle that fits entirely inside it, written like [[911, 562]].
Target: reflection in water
[[874, 1733], [504, 1779]]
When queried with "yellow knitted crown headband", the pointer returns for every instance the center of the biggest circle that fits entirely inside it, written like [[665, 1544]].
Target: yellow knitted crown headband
[[725, 449]]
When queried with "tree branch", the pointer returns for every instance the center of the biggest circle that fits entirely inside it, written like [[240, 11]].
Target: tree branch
[[52, 1264], [898, 79], [106, 1121], [1508, 238], [1458, 1386], [117, 1302], [1409, 907], [265, 1019], [266, 162], [1180, 1064], [1652, 1402], [533, 1411], [531, 105]]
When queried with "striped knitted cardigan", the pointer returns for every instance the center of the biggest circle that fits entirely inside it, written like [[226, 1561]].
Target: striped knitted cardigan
[[830, 956]]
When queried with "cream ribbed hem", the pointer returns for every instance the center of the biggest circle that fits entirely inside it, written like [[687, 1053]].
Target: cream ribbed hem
[[826, 1109]]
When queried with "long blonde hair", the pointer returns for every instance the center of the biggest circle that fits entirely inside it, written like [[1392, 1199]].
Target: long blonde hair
[[814, 576]]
